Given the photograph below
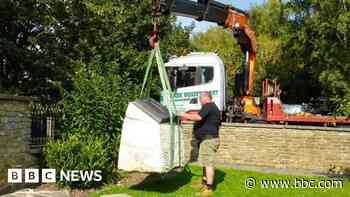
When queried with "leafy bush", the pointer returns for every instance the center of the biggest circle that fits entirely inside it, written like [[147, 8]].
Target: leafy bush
[[342, 104], [78, 152], [92, 121], [338, 90]]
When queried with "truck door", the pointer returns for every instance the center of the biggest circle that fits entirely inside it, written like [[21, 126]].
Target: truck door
[[188, 81]]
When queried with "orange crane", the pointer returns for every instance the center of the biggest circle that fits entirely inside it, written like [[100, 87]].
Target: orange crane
[[236, 20], [229, 17]]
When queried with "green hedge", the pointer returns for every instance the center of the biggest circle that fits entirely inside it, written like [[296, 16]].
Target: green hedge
[[78, 152], [92, 121]]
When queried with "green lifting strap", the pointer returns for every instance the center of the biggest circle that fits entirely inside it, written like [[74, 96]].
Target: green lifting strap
[[168, 95], [167, 92], [145, 92]]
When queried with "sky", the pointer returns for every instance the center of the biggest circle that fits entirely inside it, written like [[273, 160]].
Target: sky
[[203, 25]]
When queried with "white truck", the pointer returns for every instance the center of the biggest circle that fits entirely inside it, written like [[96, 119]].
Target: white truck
[[191, 74]]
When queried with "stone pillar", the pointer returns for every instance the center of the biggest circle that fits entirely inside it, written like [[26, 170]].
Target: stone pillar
[[15, 134]]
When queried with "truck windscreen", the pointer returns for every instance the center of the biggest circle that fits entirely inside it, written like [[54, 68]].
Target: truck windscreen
[[187, 76]]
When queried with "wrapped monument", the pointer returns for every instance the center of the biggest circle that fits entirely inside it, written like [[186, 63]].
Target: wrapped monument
[[149, 143]]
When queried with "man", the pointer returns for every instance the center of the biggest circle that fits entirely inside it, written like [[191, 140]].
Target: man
[[206, 132]]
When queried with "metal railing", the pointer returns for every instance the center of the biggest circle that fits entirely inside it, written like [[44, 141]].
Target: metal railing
[[44, 127]]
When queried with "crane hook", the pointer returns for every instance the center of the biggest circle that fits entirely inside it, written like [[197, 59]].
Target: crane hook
[[154, 35]]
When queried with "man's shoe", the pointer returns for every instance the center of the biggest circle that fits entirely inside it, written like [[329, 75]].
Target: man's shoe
[[205, 192], [197, 184]]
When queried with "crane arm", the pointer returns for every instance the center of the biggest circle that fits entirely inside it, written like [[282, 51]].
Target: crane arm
[[224, 15]]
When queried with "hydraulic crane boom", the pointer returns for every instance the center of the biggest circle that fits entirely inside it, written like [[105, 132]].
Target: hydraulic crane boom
[[229, 17]]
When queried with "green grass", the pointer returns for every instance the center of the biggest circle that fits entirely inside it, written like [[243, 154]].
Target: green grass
[[230, 182]]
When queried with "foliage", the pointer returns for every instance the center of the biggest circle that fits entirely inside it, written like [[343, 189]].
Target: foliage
[[339, 90], [275, 57], [81, 152], [42, 39], [97, 104], [106, 43], [331, 51], [32, 58], [178, 42], [92, 113], [220, 41], [319, 32], [304, 44], [264, 20]]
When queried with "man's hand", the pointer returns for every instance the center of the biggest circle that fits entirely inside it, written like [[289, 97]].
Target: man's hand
[[179, 114], [193, 117]]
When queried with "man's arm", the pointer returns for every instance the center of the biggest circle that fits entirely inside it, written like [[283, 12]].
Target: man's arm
[[193, 117], [203, 113]]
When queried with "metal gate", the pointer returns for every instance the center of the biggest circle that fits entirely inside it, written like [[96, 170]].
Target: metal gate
[[45, 121]]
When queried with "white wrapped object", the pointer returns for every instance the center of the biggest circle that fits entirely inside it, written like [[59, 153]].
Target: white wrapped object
[[293, 109], [148, 142]]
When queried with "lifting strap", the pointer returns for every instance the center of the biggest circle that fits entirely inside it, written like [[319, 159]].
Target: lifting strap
[[167, 92], [168, 95]]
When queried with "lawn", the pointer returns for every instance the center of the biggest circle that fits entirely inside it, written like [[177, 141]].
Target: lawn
[[231, 182]]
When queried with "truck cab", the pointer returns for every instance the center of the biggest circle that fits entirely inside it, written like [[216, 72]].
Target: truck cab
[[194, 73]]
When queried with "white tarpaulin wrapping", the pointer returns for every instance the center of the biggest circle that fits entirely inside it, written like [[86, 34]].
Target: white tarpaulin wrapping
[[147, 145]]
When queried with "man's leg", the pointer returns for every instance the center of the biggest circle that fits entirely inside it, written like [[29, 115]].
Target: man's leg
[[210, 174], [207, 158], [194, 155], [204, 178], [202, 183]]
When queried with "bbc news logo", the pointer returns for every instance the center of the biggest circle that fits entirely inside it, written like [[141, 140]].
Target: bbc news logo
[[50, 175]]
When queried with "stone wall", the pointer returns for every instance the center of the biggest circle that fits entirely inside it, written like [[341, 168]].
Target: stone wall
[[313, 149], [15, 130]]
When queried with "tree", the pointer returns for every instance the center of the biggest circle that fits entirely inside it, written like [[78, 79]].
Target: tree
[[43, 42], [319, 36], [31, 56], [304, 44], [222, 42], [274, 57]]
